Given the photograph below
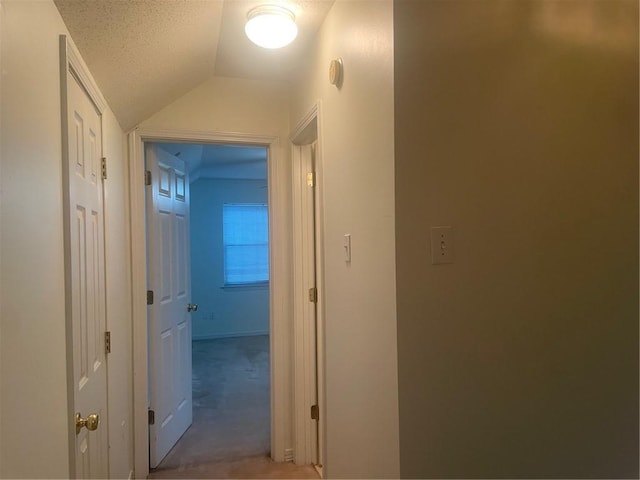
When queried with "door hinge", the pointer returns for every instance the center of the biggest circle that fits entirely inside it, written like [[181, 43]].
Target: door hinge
[[147, 177], [107, 342], [311, 179], [315, 412], [149, 297], [152, 417], [313, 295], [104, 168]]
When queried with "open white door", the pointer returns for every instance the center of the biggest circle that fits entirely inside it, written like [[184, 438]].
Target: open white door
[[86, 297], [305, 303], [308, 272], [168, 316]]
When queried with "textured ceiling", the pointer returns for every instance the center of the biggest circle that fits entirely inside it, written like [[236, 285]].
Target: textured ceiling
[[144, 54]]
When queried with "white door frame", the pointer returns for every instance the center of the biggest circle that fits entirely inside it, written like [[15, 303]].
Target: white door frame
[[71, 61], [278, 296], [308, 371]]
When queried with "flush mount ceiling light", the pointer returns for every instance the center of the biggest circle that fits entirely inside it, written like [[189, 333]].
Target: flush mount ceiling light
[[271, 26]]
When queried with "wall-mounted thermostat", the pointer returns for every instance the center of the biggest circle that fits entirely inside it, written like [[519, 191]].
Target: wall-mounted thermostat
[[335, 72]]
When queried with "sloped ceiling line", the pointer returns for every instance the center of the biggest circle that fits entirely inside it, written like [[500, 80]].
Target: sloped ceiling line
[[145, 54]]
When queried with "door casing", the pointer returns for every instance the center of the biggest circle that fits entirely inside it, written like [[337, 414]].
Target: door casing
[[280, 266], [309, 346]]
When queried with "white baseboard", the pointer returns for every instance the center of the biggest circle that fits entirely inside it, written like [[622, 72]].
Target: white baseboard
[[215, 336]]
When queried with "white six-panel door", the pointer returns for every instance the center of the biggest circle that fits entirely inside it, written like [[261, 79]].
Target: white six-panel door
[[169, 321], [87, 263]]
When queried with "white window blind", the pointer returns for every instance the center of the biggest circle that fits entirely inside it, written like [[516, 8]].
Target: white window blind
[[245, 229]]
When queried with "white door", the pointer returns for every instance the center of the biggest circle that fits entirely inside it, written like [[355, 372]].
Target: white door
[[315, 364], [169, 320], [313, 334], [87, 295], [305, 307]]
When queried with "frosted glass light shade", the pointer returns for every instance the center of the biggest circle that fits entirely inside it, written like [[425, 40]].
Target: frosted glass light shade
[[270, 26]]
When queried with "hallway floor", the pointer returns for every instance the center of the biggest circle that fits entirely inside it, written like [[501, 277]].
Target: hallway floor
[[230, 434]]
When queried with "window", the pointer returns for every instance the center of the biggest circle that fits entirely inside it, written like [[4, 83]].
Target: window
[[245, 230]]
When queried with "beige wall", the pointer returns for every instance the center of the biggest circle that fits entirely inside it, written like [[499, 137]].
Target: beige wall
[[32, 278], [517, 124], [357, 184], [34, 417]]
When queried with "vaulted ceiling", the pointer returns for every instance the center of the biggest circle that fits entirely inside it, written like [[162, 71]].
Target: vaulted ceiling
[[144, 54]]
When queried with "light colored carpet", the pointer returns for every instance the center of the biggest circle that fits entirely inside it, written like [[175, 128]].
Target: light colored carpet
[[230, 435]]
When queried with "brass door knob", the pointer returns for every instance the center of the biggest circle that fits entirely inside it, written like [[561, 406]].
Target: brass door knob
[[91, 422], [192, 307]]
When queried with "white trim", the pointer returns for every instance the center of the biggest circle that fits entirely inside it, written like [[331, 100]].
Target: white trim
[[306, 130], [320, 280], [279, 271], [80, 70], [308, 266], [304, 314], [197, 136]]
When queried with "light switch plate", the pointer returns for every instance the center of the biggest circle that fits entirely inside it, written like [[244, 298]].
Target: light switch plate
[[347, 247], [441, 245]]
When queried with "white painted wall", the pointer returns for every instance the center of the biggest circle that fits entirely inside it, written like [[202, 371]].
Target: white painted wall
[[222, 312], [33, 417], [118, 283], [517, 123], [357, 144]]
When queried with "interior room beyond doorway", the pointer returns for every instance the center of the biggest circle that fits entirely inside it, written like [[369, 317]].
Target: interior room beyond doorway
[[229, 254]]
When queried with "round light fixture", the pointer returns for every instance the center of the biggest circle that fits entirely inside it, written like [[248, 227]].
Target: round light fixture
[[271, 26]]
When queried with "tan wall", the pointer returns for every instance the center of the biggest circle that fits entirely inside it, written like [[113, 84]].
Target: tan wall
[[357, 184], [34, 418], [517, 124]]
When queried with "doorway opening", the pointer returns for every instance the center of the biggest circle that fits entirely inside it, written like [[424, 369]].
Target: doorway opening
[[222, 241], [308, 273], [284, 405], [279, 285]]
